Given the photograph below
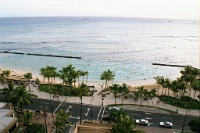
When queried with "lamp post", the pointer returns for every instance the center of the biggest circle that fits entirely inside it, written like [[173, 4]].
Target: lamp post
[[91, 114], [102, 100], [184, 119], [44, 109]]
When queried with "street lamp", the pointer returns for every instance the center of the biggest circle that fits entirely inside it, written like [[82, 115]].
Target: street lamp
[[102, 100], [91, 114], [184, 119], [44, 109]]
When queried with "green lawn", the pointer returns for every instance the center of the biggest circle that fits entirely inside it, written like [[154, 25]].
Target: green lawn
[[58, 89]]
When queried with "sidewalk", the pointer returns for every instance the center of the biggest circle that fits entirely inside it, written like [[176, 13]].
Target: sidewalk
[[109, 99]]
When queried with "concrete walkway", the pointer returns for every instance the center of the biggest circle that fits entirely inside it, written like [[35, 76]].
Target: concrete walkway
[[109, 99]]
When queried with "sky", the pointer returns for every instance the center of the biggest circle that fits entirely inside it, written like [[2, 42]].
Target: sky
[[172, 9]]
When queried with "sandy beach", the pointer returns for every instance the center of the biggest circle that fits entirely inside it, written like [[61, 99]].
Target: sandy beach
[[151, 84]]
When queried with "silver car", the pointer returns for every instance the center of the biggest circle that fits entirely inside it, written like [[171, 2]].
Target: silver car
[[113, 109], [166, 124], [142, 121]]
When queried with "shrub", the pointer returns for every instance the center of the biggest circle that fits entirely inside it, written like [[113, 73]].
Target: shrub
[[35, 128], [186, 98], [194, 125], [183, 104]]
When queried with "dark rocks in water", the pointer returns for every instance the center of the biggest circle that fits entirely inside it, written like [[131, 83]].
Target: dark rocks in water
[[48, 55]]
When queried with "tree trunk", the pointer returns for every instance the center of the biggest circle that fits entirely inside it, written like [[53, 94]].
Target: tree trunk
[[165, 91], [29, 86], [194, 94], [81, 112], [122, 99], [86, 80], [158, 90], [168, 92]]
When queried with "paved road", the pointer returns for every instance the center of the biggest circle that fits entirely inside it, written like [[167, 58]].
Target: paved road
[[98, 111]]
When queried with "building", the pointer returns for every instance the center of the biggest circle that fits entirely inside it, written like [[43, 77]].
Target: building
[[7, 120], [93, 127]]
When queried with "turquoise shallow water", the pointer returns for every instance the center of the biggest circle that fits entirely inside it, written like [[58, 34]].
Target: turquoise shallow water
[[127, 46]]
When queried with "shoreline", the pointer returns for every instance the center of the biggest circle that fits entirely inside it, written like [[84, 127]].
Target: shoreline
[[148, 84]]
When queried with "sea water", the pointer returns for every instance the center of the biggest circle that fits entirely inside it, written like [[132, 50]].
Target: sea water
[[127, 46]]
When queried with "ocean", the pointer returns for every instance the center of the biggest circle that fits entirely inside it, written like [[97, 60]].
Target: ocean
[[127, 46]]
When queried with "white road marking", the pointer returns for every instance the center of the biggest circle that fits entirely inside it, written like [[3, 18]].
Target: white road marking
[[99, 113], [148, 118], [167, 117], [57, 108], [87, 111], [75, 117], [150, 124], [147, 113], [103, 112], [135, 114], [68, 109]]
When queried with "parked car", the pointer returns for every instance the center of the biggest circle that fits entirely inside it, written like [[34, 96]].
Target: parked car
[[166, 124], [142, 121], [113, 109], [106, 117]]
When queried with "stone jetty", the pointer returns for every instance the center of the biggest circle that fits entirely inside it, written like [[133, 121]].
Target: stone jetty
[[160, 64], [48, 55]]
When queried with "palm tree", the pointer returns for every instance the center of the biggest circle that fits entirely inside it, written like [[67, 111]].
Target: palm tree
[[189, 74], [9, 93], [86, 74], [146, 95], [23, 97], [107, 76], [62, 121], [174, 87], [115, 89], [124, 89], [3, 76], [160, 80], [80, 91], [28, 117], [123, 124], [28, 76], [196, 86], [62, 76], [151, 95], [6, 73], [37, 81], [48, 72], [71, 74], [182, 86], [78, 75], [2, 79], [43, 73], [82, 73], [167, 85], [140, 93]]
